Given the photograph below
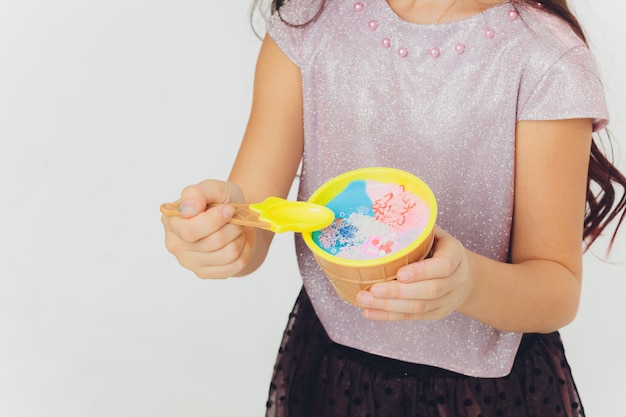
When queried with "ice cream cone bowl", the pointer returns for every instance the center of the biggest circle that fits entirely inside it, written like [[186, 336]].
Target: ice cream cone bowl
[[351, 274]]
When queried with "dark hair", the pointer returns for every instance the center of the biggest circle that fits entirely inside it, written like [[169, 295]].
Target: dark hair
[[275, 6], [604, 204]]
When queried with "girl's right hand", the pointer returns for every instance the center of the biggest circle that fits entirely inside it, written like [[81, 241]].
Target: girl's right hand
[[201, 239]]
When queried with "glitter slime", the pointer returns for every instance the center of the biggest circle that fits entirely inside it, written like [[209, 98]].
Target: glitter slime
[[372, 219], [384, 219]]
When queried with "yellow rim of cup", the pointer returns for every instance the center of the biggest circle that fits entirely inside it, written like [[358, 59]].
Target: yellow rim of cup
[[335, 186]]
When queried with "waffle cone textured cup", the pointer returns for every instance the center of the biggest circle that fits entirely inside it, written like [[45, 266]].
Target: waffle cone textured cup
[[349, 276]]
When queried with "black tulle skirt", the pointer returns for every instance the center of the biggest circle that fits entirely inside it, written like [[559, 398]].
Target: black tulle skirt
[[318, 378]]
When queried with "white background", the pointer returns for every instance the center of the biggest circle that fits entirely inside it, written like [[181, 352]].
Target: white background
[[107, 109]]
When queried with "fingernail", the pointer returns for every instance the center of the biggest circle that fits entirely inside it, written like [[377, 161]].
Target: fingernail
[[188, 209], [403, 275], [379, 290], [228, 211], [364, 298]]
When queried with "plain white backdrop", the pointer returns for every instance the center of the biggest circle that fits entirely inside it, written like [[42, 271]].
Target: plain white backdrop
[[107, 109]]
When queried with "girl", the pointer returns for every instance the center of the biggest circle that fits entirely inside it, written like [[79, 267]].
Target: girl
[[493, 104]]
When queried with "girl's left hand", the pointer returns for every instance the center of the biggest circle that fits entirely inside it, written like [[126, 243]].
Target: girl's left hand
[[426, 290]]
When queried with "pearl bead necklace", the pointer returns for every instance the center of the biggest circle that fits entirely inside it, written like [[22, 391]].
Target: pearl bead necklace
[[433, 52]]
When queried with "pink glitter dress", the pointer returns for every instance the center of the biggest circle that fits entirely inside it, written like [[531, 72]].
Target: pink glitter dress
[[440, 101]]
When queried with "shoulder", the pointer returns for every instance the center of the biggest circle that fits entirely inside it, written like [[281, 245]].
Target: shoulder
[[550, 45], [300, 26], [560, 77], [547, 34]]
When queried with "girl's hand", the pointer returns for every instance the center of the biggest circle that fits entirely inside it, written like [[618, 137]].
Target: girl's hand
[[202, 240], [426, 290]]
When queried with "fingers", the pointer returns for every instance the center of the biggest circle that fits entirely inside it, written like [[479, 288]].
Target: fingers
[[193, 238], [200, 225], [220, 254], [201, 239], [196, 221], [446, 257], [428, 289], [410, 309], [216, 256], [395, 299], [195, 198], [435, 267]]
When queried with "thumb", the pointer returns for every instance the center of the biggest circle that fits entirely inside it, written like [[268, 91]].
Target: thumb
[[195, 198]]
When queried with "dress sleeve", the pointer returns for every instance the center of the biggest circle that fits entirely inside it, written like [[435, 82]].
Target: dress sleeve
[[569, 88], [288, 27]]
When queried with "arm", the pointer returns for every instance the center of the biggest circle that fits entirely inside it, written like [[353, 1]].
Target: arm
[[271, 150], [266, 165], [540, 290]]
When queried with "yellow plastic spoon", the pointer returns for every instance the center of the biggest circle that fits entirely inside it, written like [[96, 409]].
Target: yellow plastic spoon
[[275, 214]]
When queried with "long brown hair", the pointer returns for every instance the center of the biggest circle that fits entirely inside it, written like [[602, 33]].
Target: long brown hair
[[605, 202]]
